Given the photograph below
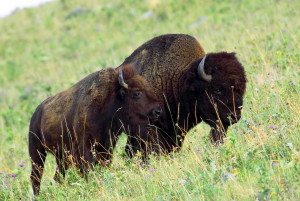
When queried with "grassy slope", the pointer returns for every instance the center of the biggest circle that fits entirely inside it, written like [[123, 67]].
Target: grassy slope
[[42, 51]]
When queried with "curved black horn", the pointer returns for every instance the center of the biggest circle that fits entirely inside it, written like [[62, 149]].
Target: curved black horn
[[201, 72], [121, 79]]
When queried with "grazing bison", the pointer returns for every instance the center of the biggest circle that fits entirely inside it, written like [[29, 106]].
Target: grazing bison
[[191, 86], [80, 126]]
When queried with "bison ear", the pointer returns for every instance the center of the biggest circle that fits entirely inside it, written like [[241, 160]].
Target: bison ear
[[122, 93], [137, 67], [198, 87]]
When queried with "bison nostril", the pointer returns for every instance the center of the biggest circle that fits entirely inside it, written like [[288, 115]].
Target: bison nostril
[[234, 118], [157, 112], [237, 116]]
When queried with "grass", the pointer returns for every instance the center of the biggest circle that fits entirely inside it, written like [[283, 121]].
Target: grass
[[47, 49]]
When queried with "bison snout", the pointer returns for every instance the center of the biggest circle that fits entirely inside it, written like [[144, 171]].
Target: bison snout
[[234, 118], [156, 113]]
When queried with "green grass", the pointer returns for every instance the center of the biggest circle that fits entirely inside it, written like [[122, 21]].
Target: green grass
[[47, 49]]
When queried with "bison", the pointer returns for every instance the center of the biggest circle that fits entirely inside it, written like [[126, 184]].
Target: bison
[[191, 86], [80, 126]]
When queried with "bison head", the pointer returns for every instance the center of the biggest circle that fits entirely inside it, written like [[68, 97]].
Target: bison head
[[217, 84], [141, 106], [140, 101]]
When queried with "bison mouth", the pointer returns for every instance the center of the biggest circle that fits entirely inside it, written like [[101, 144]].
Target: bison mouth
[[222, 121], [230, 119], [150, 118], [137, 118]]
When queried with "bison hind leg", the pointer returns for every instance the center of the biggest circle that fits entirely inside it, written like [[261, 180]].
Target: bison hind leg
[[38, 157]]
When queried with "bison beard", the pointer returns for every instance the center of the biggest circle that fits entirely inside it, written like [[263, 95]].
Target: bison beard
[[187, 92], [81, 125]]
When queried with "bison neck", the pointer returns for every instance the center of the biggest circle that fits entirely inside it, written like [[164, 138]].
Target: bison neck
[[181, 113], [190, 89]]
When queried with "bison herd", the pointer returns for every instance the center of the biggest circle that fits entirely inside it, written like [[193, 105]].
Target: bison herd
[[162, 90]]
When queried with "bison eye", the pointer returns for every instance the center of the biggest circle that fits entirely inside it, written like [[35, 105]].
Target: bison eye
[[137, 94]]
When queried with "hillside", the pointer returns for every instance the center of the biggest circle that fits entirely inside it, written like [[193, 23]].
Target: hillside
[[47, 49]]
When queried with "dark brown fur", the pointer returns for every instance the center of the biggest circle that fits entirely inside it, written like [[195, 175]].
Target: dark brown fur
[[169, 62], [80, 126]]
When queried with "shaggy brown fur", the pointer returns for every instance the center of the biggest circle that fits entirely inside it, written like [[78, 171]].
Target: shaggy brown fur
[[80, 126], [169, 62], [163, 58]]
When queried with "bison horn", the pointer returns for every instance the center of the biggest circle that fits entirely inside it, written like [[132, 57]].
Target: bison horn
[[201, 72], [121, 79]]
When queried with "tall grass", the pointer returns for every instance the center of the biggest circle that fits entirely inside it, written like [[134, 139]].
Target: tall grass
[[45, 50]]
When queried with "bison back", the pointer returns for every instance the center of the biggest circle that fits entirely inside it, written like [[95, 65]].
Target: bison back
[[162, 59]]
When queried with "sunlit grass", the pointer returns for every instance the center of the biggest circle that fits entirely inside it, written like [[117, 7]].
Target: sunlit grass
[[47, 49]]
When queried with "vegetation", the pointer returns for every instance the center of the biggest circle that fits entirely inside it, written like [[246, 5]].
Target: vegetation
[[46, 49]]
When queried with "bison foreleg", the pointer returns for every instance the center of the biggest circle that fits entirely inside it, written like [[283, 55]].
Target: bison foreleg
[[217, 135], [85, 162], [129, 148], [60, 172]]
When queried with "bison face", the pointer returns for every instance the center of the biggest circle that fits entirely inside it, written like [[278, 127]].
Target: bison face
[[140, 103], [224, 102], [218, 88]]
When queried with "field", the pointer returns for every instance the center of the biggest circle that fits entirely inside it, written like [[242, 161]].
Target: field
[[47, 49]]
